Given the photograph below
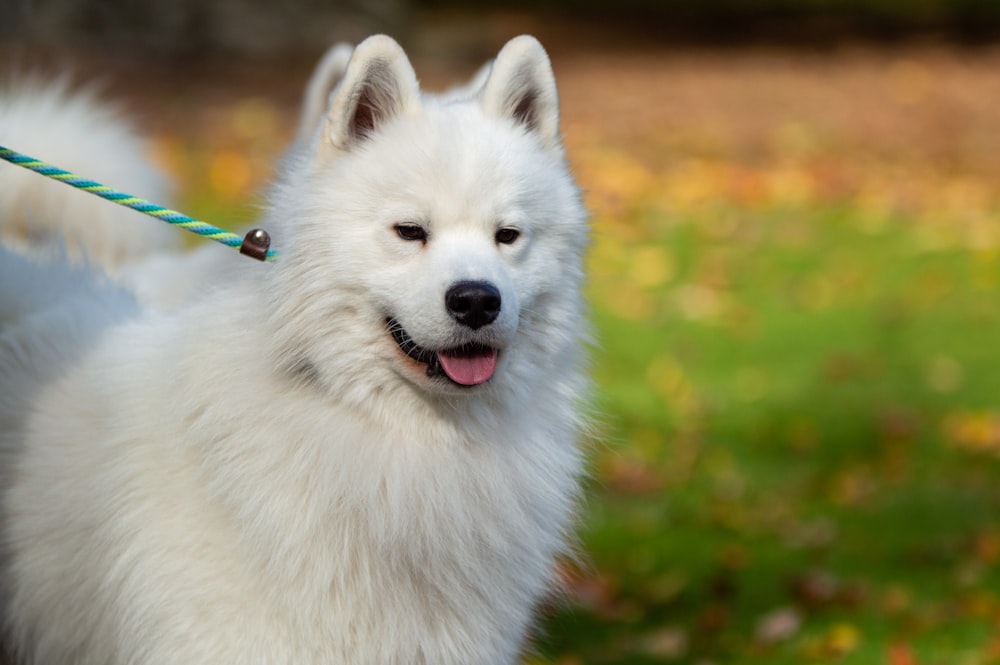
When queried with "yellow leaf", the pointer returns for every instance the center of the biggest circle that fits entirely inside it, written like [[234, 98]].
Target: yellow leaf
[[842, 639]]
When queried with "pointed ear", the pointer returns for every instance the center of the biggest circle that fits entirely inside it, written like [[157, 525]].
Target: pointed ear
[[324, 80], [379, 84], [521, 87]]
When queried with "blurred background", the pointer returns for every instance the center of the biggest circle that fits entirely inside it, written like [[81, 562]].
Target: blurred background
[[794, 281]]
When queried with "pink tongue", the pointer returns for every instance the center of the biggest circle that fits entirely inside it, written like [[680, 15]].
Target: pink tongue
[[469, 370]]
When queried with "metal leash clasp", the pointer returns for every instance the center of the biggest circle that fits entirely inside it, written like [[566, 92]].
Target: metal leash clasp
[[255, 244]]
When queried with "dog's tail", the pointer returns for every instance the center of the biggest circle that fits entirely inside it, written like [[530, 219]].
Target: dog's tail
[[74, 130]]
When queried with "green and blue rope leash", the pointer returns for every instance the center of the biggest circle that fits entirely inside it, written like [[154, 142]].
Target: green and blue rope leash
[[255, 244]]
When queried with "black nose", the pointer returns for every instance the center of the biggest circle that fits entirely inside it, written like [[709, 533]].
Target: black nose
[[473, 304]]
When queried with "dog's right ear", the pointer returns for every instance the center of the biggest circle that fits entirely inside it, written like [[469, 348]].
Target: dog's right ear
[[379, 85], [324, 80]]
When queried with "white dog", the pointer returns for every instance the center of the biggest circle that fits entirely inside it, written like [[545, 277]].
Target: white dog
[[365, 452]]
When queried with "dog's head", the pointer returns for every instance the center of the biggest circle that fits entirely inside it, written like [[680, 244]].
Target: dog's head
[[433, 239]]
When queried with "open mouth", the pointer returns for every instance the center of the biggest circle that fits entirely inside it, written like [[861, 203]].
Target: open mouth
[[465, 365]]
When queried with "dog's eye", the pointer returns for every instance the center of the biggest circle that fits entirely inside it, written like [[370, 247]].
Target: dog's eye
[[411, 232], [507, 236]]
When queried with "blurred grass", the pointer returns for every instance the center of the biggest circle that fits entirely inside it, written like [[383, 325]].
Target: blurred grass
[[797, 425], [798, 370], [794, 283]]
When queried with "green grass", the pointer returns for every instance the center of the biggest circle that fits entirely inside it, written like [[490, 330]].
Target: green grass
[[797, 408]]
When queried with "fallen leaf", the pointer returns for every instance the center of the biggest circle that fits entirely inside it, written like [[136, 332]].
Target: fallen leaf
[[842, 639], [670, 642], [900, 654], [816, 588], [778, 625]]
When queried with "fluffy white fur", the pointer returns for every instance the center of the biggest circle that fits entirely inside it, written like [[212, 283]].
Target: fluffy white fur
[[71, 129], [324, 81], [262, 475]]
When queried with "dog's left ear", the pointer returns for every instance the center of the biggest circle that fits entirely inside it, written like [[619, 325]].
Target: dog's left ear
[[379, 85], [522, 87]]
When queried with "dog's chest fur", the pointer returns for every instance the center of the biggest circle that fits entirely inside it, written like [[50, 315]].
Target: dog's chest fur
[[292, 530]]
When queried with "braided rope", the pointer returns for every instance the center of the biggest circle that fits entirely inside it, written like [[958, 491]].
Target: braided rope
[[134, 202]]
